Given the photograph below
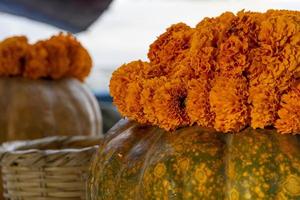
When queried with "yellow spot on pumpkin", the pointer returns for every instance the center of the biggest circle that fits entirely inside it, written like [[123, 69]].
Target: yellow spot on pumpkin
[[178, 147], [292, 185], [187, 194], [281, 196], [296, 164], [212, 151], [258, 191], [247, 195], [245, 174], [166, 184], [184, 164], [202, 173], [159, 170], [231, 170], [234, 194], [281, 168], [266, 186]]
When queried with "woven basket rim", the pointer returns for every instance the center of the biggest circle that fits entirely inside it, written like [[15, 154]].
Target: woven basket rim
[[27, 153], [23, 146], [47, 151]]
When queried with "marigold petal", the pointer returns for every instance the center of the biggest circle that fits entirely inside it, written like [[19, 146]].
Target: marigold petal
[[197, 102], [289, 113], [228, 100]]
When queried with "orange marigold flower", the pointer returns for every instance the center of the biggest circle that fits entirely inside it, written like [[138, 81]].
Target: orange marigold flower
[[80, 59], [289, 113], [150, 86], [264, 105], [205, 41], [182, 70], [133, 102], [278, 28], [169, 100], [228, 72], [171, 45], [12, 55], [228, 100], [120, 80], [36, 65], [214, 29], [259, 58], [58, 57], [232, 57], [246, 26], [197, 102]]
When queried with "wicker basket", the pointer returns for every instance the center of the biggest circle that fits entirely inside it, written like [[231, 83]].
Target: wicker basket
[[53, 168]]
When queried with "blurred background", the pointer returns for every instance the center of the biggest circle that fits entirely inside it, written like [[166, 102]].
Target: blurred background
[[115, 31]]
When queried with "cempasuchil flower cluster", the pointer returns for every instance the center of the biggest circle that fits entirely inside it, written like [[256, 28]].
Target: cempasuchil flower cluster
[[57, 57], [228, 72]]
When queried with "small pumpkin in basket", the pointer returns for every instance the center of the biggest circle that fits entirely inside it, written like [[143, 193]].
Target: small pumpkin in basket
[[42, 91], [204, 115]]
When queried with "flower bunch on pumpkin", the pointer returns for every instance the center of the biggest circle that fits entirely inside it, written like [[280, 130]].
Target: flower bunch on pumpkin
[[228, 72], [55, 58]]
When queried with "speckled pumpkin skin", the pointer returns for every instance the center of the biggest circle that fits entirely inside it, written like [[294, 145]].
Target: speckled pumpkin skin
[[144, 162], [32, 109]]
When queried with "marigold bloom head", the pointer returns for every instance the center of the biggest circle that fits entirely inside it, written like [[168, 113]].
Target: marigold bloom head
[[12, 55], [170, 46]]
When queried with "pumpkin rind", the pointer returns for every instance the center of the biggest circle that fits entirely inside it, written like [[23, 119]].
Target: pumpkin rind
[[37, 108], [146, 162]]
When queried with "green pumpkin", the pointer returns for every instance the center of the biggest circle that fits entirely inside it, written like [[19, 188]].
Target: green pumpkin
[[37, 108], [146, 162]]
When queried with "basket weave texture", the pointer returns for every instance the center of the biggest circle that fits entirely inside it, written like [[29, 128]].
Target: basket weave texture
[[54, 168]]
